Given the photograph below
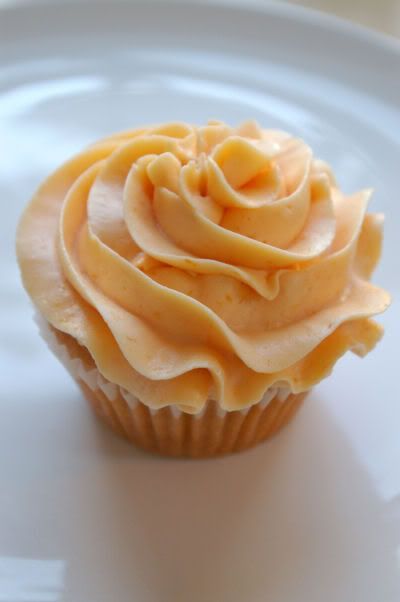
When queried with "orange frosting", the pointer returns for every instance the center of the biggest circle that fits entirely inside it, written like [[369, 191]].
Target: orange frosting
[[198, 262]]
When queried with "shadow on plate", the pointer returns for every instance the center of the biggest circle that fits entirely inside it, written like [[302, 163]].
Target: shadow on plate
[[296, 518]]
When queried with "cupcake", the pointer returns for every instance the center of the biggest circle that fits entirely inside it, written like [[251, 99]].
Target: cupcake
[[197, 282]]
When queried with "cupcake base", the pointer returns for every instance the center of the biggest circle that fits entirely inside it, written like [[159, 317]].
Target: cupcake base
[[168, 431], [213, 433]]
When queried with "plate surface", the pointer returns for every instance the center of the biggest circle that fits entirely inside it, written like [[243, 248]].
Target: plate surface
[[312, 515]]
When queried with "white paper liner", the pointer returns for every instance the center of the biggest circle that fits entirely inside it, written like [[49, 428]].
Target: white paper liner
[[94, 380]]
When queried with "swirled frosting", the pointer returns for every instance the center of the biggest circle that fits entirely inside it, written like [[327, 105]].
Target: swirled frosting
[[198, 262]]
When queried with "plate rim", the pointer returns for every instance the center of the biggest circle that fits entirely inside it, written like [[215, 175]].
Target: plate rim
[[306, 15]]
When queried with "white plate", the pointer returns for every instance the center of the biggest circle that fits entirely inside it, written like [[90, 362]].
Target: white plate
[[312, 516]]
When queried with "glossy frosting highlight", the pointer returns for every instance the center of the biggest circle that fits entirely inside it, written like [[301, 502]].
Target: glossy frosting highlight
[[197, 262]]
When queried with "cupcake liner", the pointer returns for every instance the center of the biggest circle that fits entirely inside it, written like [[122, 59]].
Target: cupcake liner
[[169, 431]]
